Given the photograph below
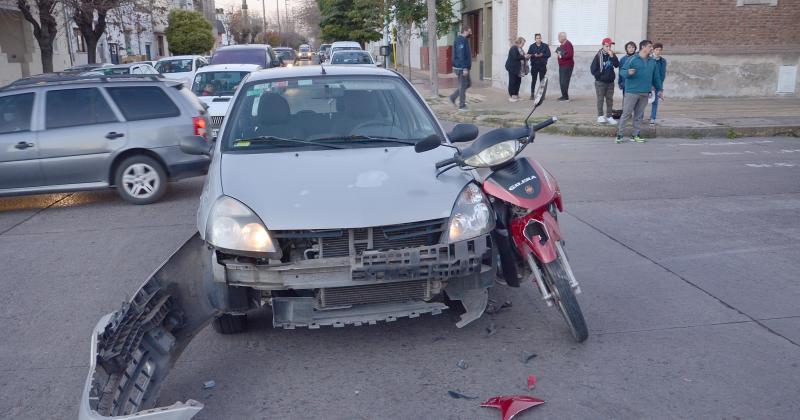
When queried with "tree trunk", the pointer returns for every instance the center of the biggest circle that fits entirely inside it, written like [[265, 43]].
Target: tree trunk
[[47, 58], [91, 50], [44, 30]]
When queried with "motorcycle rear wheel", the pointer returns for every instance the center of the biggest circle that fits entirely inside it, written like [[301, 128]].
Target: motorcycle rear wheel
[[557, 280]]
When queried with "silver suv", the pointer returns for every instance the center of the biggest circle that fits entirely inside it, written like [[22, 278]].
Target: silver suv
[[73, 133]]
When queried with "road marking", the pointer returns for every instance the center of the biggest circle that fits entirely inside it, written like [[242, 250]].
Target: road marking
[[750, 152], [770, 165], [727, 143]]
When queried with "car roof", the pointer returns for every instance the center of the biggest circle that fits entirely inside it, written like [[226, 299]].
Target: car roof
[[350, 52], [180, 57], [345, 44], [243, 47], [50, 80], [229, 67], [310, 71]]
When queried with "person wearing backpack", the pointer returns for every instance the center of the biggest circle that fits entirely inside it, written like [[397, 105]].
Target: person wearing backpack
[[602, 69]]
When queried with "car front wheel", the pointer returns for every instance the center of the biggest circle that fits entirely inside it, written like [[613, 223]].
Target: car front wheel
[[140, 180]]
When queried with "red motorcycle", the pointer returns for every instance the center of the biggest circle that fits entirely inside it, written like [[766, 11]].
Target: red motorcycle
[[526, 200]]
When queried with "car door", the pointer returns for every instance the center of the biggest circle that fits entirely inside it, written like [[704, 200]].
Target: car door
[[19, 149], [81, 132]]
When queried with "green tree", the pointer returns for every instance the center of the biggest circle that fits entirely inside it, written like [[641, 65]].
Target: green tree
[[351, 20], [189, 33]]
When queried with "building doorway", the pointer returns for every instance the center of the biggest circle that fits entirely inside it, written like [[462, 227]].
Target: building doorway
[[113, 51], [147, 51]]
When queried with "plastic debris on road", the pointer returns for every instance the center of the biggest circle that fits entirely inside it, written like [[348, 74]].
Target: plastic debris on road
[[491, 329], [462, 364], [531, 382], [512, 405], [493, 308], [457, 395], [527, 357], [209, 384]]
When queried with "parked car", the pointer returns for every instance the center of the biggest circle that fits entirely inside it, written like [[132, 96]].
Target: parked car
[[363, 231], [324, 49], [215, 86], [123, 69], [181, 67], [353, 58], [287, 56], [258, 54], [82, 133], [343, 45]]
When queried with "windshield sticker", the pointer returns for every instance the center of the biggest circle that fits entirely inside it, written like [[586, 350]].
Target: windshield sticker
[[241, 143], [257, 90], [282, 83], [305, 82]]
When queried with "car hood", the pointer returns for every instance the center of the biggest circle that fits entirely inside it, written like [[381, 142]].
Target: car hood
[[335, 189], [216, 108]]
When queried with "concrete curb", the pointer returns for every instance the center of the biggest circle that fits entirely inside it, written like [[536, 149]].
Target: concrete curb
[[566, 127]]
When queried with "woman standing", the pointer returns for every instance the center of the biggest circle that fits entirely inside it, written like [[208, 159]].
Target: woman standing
[[516, 65]]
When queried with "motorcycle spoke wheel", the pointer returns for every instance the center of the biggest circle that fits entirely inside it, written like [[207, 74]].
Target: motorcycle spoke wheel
[[557, 280]]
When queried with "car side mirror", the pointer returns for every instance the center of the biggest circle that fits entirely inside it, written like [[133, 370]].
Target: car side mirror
[[196, 145], [463, 132], [429, 143]]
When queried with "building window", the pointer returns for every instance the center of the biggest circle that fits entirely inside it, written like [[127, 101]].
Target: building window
[[756, 2], [584, 21], [80, 44]]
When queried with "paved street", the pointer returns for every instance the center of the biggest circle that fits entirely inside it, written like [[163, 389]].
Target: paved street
[[688, 254]]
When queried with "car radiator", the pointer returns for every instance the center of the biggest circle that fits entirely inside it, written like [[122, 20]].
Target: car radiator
[[337, 297]]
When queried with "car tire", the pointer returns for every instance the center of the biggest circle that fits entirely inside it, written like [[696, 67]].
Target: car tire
[[140, 180], [229, 324]]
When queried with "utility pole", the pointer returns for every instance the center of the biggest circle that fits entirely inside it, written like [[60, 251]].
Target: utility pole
[[264, 22], [433, 55], [278, 14]]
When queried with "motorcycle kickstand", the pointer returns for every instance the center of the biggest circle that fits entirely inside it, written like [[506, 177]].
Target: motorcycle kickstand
[[537, 275]]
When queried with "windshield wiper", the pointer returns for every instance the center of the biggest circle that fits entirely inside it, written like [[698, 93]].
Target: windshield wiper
[[361, 138], [265, 139]]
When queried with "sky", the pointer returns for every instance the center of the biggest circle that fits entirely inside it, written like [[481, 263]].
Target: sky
[[255, 6]]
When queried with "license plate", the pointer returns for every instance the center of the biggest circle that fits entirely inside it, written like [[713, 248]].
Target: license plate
[[214, 132]]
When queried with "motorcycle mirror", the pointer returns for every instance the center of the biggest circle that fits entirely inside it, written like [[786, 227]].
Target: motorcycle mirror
[[538, 98], [431, 142], [462, 133]]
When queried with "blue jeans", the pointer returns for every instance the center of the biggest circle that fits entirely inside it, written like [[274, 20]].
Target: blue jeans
[[654, 108]]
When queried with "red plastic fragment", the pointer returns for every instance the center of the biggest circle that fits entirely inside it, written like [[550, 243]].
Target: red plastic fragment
[[512, 405], [531, 382]]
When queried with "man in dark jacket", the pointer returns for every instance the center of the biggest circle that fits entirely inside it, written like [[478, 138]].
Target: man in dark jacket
[[602, 69], [566, 64], [540, 53], [462, 63]]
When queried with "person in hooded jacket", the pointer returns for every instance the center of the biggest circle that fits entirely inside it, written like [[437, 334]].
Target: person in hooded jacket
[[661, 65], [602, 69]]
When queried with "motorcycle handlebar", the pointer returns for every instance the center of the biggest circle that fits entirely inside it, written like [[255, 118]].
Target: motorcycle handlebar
[[545, 123], [442, 163]]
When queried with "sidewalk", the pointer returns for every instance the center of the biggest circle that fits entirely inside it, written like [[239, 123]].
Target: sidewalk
[[678, 118]]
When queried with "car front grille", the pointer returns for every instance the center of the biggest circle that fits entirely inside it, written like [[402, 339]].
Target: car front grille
[[334, 243], [216, 122], [329, 298]]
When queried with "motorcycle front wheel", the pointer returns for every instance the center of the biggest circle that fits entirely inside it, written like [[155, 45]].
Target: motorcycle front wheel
[[557, 279]]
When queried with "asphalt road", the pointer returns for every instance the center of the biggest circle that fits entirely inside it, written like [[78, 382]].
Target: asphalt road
[[688, 254]]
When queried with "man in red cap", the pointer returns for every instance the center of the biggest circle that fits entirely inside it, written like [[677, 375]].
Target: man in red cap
[[602, 69]]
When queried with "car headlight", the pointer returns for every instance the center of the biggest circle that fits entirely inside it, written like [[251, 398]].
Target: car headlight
[[233, 226], [495, 155], [472, 215]]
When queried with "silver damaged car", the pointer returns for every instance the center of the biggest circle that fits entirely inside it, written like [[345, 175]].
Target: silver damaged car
[[317, 207]]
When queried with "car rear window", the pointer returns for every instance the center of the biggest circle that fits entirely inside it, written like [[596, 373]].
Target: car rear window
[[15, 113], [71, 107], [174, 66], [143, 102], [241, 56]]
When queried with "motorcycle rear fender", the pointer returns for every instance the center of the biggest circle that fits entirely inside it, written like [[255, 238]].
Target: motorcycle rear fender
[[134, 348], [536, 233]]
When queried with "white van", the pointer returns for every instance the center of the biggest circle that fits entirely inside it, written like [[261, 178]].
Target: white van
[[343, 45], [181, 67], [215, 86]]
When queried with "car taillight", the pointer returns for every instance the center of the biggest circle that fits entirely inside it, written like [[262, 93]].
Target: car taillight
[[200, 127]]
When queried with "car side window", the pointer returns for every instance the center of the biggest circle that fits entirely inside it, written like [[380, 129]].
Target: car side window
[[15, 113], [73, 107], [143, 102]]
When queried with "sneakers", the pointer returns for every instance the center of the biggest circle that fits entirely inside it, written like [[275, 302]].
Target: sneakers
[[652, 122], [601, 120], [513, 99], [563, 99], [638, 139], [463, 108], [618, 140], [611, 120]]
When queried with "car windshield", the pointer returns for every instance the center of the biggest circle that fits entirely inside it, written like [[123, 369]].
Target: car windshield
[[174, 66], [304, 49], [241, 56], [344, 111], [351, 57], [217, 83]]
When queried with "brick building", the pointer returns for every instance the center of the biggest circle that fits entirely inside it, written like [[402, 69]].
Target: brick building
[[714, 47]]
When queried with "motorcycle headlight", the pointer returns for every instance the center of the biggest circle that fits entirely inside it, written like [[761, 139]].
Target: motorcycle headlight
[[233, 226], [472, 215], [495, 155]]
